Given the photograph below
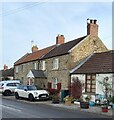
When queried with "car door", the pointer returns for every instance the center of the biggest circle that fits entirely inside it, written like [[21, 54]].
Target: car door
[[24, 92], [10, 86], [20, 91]]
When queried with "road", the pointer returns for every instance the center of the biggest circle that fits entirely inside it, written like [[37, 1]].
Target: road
[[21, 109]]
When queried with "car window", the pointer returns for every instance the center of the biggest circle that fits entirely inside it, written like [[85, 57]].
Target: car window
[[12, 84], [31, 87], [20, 87], [9, 84], [25, 88]]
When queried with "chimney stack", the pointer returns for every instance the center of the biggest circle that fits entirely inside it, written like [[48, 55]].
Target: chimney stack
[[60, 39], [34, 48], [92, 27], [5, 67]]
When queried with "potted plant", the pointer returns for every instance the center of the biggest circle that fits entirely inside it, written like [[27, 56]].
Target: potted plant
[[68, 100], [106, 88], [104, 108], [84, 102], [55, 98]]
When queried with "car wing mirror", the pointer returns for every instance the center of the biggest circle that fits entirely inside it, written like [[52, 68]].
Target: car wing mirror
[[25, 89]]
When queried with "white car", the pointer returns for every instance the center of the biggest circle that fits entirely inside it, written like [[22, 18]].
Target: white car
[[30, 92], [8, 87]]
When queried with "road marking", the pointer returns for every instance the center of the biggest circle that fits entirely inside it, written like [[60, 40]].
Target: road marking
[[11, 108]]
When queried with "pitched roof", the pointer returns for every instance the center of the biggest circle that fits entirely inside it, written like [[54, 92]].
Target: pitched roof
[[63, 48], [97, 63], [38, 73], [33, 56], [8, 72]]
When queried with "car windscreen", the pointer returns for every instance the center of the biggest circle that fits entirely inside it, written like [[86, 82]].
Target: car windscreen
[[31, 88]]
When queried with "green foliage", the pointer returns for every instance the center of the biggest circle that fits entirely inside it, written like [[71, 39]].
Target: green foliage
[[106, 86], [112, 99]]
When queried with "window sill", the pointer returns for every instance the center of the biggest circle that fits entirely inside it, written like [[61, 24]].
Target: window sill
[[55, 69]]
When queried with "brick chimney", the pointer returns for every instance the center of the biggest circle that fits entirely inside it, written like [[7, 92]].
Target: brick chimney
[[34, 48], [5, 67], [92, 27], [60, 39]]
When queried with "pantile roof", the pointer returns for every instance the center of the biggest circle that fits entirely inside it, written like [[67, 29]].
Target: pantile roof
[[52, 51], [63, 48], [33, 56], [97, 63], [7, 73]]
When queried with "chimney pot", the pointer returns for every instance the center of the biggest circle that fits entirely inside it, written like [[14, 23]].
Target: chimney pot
[[5, 67], [34, 48], [95, 21], [92, 28], [60, 39]]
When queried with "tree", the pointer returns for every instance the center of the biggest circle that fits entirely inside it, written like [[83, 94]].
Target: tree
[[76, 88]]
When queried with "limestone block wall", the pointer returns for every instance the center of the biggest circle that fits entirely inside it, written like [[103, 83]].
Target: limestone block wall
[[40, 82], [62, 73], [23, 70], [85, 48]]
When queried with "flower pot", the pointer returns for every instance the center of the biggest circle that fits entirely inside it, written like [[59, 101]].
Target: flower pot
[[91, 103], [105, 109], [84, 105], [68, 102], [55, 101]]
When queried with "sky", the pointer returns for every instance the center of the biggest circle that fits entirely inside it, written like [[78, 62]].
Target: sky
[[41, 22]]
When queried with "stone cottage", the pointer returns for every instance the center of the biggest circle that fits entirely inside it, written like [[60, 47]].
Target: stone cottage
[[53, 64], [94, 69]]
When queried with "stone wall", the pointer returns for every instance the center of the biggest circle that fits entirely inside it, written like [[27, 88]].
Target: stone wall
[[23, 71], [69, 61], [66, 62], [85, 48]]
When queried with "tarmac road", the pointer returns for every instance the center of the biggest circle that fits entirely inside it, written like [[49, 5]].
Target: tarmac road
[[21, 109]]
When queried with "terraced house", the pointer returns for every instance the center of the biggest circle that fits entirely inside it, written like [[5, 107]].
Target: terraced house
[[53, 64]]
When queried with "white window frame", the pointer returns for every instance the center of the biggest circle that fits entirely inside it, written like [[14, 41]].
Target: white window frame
[[43, 65], [16, 69], [56, 63], [54, 83], [35, 66]]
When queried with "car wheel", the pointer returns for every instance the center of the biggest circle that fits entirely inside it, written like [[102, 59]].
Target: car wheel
[[16, 95], [7, 93], [31, 98]]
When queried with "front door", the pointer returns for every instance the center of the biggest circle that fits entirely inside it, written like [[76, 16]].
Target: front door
[[90, 85]]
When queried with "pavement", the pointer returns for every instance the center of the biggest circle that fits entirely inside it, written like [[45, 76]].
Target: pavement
[[92, 109]]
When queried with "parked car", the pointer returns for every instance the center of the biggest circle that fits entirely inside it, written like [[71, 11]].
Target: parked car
[[31, 92], [8, 87]]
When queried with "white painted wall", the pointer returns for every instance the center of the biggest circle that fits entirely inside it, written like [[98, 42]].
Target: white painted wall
[[100, 77]]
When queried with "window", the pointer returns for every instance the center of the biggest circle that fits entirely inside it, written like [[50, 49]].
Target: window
[[22, 68], [90, 83], [43, 66], [55, 63], [16, 69], [54, 83], [35, 66], [12, 84]]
